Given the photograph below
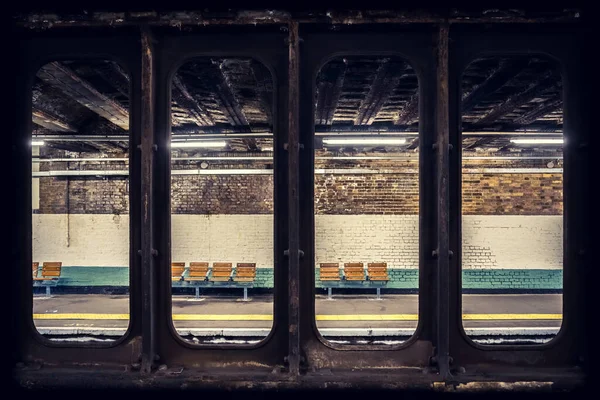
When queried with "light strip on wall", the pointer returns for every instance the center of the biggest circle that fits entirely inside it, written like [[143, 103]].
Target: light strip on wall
[[219, 143], [37, 142], [537, 141], [364, 141]]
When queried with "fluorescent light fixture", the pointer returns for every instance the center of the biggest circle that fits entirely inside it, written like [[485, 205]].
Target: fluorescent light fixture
[[365, 141], [213, 143], [37, 142], [538, 141]]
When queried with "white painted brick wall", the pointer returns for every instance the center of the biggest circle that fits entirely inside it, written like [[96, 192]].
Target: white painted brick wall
[[488, 241], [512, 241], [226, 238], [368, 238], [94, 239]]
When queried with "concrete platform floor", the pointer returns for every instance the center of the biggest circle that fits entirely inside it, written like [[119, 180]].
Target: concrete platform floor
[[230, 312]]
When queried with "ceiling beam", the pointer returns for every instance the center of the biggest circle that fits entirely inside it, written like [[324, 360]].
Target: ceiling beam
[[329, 87], [507, 70], [52, 122], [229, 104], [264, 85], [112, 73], [546, 82], [77, 147], [481, 141], [62, 77], [387, 78], [184, 99], [410, 113], [539, 111]]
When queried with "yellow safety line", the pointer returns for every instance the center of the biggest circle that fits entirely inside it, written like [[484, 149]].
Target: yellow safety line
[[268, 317], [510, 316], [80, 316], [369, 317]]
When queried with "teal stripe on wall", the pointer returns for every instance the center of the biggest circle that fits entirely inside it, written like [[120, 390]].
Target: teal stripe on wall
[[399, 278]]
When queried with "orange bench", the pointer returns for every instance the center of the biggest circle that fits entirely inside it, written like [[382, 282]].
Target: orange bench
[[377, 272], [50, 274], [177, 271], [353, 276], [197, 274], [354, 272], [221, 272], [329, 273], [245, 274]]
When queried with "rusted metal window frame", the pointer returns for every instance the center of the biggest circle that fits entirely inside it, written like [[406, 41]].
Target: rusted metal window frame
[[417, 48], [35, 53], [564, 48], [313, 363], [172, 50]]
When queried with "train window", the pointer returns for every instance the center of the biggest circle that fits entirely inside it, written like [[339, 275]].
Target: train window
[[366, 202], [80, 201], [222, 201], [512, 200]]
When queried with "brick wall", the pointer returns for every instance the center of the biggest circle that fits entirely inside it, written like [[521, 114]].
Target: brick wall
[[367, 194], [512, 194], [109, 195], [222, 194], [368, 238], [336, 194], [512, 241], [81, 239]]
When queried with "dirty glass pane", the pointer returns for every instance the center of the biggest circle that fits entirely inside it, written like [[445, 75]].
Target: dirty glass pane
[[222, 200], [512, 200], [366, 200], [80, 201]]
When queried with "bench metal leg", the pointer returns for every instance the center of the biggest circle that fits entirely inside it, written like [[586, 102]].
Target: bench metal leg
[[378, 293], [245, 294], [329, 297], [197, 292], [47, 291]]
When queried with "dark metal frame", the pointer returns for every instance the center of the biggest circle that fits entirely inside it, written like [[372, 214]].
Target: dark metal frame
[[34, 53], [567, 347], [294, 354]]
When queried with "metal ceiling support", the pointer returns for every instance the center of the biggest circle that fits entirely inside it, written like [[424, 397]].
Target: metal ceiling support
[[329, 90], [386, 79], [442, 252], [181, 95], [410, 113], [293, 251], [66, 80], [546, 82], [539, 111], [506, 71], [49, 121], [148, 253]]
